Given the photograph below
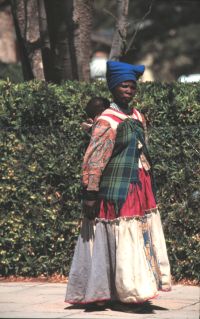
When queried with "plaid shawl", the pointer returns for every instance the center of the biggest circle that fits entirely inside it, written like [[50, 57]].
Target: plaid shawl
[[122, 168]]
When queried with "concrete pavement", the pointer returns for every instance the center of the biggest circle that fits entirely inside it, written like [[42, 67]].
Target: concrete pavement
[[46, 300]]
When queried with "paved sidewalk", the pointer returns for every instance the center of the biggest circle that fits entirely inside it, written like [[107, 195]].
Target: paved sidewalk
[[46, 300]]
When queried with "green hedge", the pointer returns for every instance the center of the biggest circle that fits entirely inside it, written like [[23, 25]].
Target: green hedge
[[42, 145]]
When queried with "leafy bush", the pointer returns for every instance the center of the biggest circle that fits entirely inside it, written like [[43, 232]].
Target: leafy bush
[[42, 146], [173, 112], [12, 71]]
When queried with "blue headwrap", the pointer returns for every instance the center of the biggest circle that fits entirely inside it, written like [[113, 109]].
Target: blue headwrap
[[118, 72]]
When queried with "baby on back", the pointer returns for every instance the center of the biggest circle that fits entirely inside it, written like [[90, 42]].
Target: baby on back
[[93, 109]]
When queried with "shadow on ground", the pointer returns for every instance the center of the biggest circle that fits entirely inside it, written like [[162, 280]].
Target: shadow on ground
[[146, 307]]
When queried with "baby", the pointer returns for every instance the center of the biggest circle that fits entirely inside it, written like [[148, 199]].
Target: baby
[[93, 109]]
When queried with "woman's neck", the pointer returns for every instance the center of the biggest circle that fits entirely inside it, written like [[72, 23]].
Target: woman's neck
[[121, 107]]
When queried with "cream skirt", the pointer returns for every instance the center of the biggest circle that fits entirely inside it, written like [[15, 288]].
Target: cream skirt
[[122, 259]]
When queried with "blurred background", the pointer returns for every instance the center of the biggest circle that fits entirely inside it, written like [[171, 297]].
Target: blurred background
[[163, 35]]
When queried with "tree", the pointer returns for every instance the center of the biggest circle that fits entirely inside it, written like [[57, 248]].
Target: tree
[[83, 17], [54, 38], [45, 42], [25, 15], [118, 47], [61, 29]]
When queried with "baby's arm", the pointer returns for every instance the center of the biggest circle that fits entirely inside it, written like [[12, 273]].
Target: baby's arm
[[86, 126]]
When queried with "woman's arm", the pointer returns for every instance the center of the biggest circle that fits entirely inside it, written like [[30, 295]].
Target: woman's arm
[[97, 155]]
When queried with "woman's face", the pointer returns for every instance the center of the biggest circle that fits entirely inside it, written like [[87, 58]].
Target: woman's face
[[124, 92]]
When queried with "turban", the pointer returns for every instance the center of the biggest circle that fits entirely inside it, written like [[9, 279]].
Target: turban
[[118, 72]]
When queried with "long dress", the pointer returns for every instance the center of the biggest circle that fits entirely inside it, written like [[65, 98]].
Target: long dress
[[119, 255]]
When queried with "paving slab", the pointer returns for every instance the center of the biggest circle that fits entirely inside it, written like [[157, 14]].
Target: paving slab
[[46, 300]]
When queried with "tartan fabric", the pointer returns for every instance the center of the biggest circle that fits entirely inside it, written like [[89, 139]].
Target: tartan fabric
[[122, 168]]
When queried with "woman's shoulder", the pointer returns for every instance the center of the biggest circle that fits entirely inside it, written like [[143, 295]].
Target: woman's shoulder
[[137, 115], [108, 118]]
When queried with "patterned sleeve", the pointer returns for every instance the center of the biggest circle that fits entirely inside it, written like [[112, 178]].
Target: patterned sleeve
[[97, 154]]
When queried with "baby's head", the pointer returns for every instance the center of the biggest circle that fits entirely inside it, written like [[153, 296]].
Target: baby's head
[[96, 106]]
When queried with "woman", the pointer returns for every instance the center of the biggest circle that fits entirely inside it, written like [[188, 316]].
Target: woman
[[121, 252]]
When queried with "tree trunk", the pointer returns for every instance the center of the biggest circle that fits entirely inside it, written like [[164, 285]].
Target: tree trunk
[[25, 15], [119, 39], [83, 16], [60, 26], [26, 65], [45, 42], [33, 39]]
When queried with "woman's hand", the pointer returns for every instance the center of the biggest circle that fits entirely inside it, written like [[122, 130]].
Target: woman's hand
[[90, 208]]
